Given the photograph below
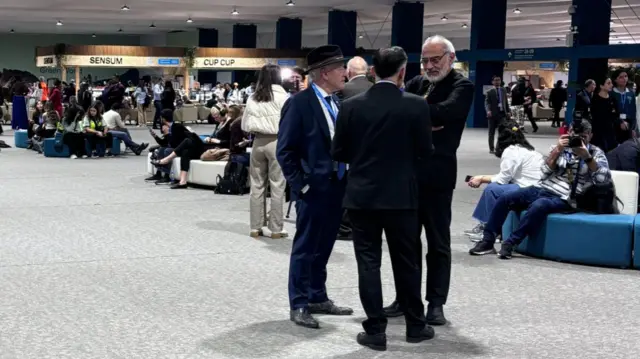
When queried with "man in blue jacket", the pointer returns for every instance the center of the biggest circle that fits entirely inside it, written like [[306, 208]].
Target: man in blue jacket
[[317, 184]]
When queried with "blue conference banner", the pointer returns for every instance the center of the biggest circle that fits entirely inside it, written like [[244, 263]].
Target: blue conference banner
[[287, 63], [170, 62]]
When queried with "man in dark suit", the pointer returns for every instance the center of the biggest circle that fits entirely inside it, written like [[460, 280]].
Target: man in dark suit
[[449, 95], [497, 107], [358, 83], [317, 184], [377, 201]]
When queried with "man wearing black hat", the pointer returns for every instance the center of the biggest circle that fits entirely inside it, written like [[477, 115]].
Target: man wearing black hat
[[317, 184]]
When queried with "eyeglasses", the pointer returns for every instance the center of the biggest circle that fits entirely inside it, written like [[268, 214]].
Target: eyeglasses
[[435, 60]]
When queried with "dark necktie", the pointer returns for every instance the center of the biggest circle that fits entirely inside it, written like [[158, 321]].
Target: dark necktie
[[342, 168]]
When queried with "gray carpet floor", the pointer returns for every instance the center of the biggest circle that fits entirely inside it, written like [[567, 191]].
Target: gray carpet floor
[[96, 263]]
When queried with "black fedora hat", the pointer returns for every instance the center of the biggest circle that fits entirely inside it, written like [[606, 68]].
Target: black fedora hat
[[324, 56]]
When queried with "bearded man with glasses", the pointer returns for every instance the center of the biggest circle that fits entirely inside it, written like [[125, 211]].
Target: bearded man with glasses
[[449, 95]]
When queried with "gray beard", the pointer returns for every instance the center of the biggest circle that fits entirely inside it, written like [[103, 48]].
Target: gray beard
[[434, 79]]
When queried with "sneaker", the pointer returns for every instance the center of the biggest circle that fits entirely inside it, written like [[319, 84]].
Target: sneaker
[[282, 234], [482, 248], [85, 157], [255, 233], [155, 177], [479, 228], [506, 251], [475, 237], [74, 157]]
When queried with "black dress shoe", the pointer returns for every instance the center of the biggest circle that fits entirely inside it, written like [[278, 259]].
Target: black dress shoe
[[425, 334], [393, 310], [329, 308], [155, 177], [375, 341], [435, 315], [303, 318], [179, 186]]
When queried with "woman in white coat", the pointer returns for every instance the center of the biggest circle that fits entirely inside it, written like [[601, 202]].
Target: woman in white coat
[[262, 118]]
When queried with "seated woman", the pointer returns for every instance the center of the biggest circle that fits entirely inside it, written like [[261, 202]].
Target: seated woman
[[186, 145], [221, 138], [163, 173], [47, 129], [98, 139], [72, 131], [520, 167], [37, 119]]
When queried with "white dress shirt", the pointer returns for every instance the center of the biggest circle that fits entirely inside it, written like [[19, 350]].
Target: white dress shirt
[[520, 166], [112, 119], [327, 115]]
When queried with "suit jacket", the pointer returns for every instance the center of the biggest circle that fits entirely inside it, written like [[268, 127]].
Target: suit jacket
[[178, 134], [304, 144], [450, 101], [491, 102], [381, 134], [355, 87]]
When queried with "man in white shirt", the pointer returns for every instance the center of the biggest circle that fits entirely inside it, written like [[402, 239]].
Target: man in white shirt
[[158, 89], [113, 124]]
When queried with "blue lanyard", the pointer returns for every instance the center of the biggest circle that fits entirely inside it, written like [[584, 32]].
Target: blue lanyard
[[327, 105], [574, 186], [623, 101]]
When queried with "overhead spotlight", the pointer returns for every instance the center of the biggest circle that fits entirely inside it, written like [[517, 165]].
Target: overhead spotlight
[[11, 31], [189, 20], [612, 30], [235, 12], [291, 3], [93, 35], [619, 42], [516, 11], [120, 30], [59, 23], [558, 39], [444, 18], [464, 26], [152, 26], [125, 8], [360, 36]]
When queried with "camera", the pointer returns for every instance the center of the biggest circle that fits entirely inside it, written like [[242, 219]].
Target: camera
[[575, 141]]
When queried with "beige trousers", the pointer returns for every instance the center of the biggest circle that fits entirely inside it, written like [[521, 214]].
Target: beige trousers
[[265, 171], [142, 119]]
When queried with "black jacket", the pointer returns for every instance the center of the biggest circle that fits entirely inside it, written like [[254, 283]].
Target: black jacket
[[381, 134], [354, 87], [557, 97], [178, 134], [450, 101]]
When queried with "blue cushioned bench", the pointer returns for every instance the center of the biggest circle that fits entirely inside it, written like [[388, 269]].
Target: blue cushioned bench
[[602, 240], [115, 147], [20, 138], [49, 149], [636, 243]]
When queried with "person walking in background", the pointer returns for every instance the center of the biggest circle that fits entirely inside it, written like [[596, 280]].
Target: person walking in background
[[530, 97], [168, 97], [377, 202], [557, 98], [55, 97], [317, 184], [626, 100], [584, 97], [157, 102], [262, 119], [497, 107], [449, 95], [140, 95], [605, 117]]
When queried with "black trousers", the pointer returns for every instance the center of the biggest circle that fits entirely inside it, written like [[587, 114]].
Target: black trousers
[[188, 150], [76, 144], [556, 117], [494, 123], [345, 225], [528, 111], [404, 242]]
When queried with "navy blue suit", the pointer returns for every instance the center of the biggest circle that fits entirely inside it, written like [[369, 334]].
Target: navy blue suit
[[304, 154]]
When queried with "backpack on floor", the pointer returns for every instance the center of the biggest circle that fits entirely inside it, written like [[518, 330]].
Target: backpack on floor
[[235, 179]]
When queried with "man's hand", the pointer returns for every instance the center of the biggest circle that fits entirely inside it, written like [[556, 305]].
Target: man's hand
[[581, 152], [489, 114], [563, 142], [624, 126], [438, 128]]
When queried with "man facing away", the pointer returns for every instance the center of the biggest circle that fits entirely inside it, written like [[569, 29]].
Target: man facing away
[[378, 202], [449, 95], [358, 83], [497, 107], [317, 184]]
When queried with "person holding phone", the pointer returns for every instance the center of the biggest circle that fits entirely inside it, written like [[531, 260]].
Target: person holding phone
[[567, 173], [520, 167]]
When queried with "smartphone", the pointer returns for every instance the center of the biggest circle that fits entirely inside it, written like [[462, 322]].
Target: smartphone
[[468, 178]]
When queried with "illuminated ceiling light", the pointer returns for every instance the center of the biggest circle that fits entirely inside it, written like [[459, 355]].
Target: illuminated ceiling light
[[517, 11], [558, 39], [93, 35], [125, 8], [361, 36], [464, 26], [11, 31], [59, 23], [235, 12], [189, 20], [444, 18], [291, 3], [152, 26], [120, 30]]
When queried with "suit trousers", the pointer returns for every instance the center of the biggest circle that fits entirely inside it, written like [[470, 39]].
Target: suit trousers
[[318, 216], [265, 171], [495, 122], [404, 242], [435, 216]]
